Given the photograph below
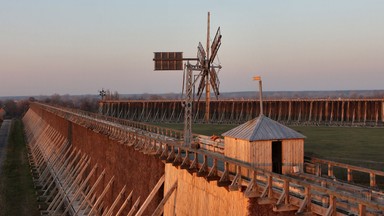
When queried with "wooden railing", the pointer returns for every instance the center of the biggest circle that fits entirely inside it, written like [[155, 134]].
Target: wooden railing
[[285, 193], [350, 170]]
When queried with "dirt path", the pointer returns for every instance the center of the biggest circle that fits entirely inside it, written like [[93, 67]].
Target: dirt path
[[4, 132]]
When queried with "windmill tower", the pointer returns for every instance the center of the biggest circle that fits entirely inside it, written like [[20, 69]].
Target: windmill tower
[[207, 76]]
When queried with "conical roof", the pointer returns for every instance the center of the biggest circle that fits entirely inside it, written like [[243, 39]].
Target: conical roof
[[263, 128]]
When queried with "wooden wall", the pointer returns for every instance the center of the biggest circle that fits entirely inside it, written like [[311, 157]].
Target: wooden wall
[[293, 154], [196, 196], [258, 153]]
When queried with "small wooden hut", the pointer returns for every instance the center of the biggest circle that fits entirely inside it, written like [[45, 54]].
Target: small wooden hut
[[266, 144]]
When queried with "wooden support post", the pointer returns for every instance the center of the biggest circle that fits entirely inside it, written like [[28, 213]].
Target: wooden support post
[[150, 196], [284, 197], [86, 199], [160, 208], [171, 157], [365, 112], [224, 180], [193, 168], [164, 154], [125, 204], [134, 207], [79, 190], [362, 210], [178, 160], [342, 112], [236, 182], [332, 206], [306, 202], [349, 175], [110, 210], [252, 189], [266, 197], [372, 178], [310, 111], [289, 111], [212, 175], [331, 117], [330, 170], [382, 112], [203, 171], [186, 162], [101, 197], [318, 169]]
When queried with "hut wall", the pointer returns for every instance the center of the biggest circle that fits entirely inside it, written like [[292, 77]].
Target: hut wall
[[293, 154], [196, 196], [258, 153], [261, 154]]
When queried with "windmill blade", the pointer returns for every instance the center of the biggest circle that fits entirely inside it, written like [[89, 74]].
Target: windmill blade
[[214, 80], [201, 55], [201, 88], [215, 46]]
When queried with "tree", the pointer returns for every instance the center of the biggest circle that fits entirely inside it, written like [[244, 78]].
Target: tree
[[10, 108]]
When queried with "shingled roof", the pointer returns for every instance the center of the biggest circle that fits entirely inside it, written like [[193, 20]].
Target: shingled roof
[[263, 128]]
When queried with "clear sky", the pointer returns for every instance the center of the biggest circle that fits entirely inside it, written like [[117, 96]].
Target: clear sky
[[81, 46]]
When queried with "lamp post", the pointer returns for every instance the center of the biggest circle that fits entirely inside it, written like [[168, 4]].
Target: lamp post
[[258, 78]]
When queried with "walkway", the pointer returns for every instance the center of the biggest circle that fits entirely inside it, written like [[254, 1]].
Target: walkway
[[4, 132]]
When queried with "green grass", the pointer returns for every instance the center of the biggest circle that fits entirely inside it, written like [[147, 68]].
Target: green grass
[[17, 194], [353, 145], [357, 146]]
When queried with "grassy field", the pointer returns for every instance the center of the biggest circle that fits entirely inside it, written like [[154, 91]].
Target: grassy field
[[17, 194], [352, 145]]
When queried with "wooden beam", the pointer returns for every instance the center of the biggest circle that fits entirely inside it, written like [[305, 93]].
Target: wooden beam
[[150, 196], [212, 175], [305, 203], [134, 207], [236, 182], [203, 171], [252, 189], [124, 204], [110, 210], [160, 208], [332, 206]]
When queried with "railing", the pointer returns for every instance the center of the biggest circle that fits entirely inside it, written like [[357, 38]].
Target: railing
[[350, 170], [284, 192]]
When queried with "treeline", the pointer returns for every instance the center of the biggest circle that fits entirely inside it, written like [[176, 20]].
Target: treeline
[[88, 103], [15, 108]]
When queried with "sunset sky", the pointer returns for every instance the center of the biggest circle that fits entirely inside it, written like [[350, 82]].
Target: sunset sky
[[79, 47]]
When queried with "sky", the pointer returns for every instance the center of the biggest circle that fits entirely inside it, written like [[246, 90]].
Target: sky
[[81, 46]]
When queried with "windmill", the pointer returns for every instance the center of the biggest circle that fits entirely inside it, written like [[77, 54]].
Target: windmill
[[207, 76]]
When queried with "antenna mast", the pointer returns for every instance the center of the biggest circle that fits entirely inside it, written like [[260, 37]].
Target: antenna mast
[[207, 83]]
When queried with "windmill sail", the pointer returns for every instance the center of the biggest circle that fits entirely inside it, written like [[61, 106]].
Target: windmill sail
[[214, 80]]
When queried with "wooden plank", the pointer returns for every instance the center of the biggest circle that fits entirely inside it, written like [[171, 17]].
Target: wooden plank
[[160, 208], [150, 196], [124, 204], [134, 207], [110, 210]]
